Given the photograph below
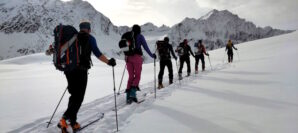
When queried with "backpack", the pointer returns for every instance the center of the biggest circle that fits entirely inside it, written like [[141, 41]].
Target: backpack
[[180, 50], [229, 45], [200, 49], [163, 50], [66, 48], [127, 43]]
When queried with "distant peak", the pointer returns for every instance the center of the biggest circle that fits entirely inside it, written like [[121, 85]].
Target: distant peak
[[215, 12]]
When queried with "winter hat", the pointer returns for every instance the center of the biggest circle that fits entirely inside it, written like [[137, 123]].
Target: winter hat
[[200, 41], [85, 25], [166, 39], [136, 29], [185, 41]]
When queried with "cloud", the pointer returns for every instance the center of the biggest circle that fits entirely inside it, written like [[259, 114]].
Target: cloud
[[276, 13]]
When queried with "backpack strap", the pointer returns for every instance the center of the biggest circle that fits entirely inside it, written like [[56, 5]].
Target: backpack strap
[[66, 45]]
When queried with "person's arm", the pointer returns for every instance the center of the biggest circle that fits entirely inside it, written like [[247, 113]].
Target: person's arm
[[172, 51], [191, 51], [97, 52], [204, 50], [234, 47], [144, 44]]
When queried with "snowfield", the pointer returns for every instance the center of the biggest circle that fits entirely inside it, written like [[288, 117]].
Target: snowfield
[[257, 93]]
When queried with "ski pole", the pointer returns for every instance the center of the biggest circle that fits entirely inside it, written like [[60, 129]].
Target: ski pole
[[238, 55], [121, 80], [115, 99], [178, 72], [210, 62], [154, 79], [56, 108]]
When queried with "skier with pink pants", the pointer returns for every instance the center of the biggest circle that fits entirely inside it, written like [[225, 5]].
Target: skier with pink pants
[[134, 65]]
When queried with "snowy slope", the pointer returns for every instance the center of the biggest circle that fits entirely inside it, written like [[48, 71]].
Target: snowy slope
[[257, 93]]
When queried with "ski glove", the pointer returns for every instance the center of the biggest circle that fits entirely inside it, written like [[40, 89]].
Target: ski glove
[[207, 54], [112, 62], [154, 56]]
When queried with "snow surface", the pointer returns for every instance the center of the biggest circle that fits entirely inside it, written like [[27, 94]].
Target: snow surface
[[256, 93]]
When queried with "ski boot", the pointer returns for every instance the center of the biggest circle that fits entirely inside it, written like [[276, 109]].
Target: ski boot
[[188, 74], [75, 126], [180, 76], [128, 99], [171, 81], [160, 86], [133, 94], [63, 125]]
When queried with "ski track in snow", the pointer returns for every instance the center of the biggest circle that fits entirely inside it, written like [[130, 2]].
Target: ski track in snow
[[106, 105]]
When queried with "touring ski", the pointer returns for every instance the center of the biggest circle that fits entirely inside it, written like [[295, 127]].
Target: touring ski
[[91, 122]]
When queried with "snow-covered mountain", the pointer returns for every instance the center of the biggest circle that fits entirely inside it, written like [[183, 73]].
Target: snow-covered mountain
[[26, 27], [217, 27]]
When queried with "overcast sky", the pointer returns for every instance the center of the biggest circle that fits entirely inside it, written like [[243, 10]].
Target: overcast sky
[[282, 14]]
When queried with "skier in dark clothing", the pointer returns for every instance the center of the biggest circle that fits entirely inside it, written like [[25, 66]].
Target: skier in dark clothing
[[200, 51], [77, 78], [183, 51], [230, 46], [164, 49]]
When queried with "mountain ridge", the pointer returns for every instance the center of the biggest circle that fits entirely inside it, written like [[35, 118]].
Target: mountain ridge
[[32, 22]]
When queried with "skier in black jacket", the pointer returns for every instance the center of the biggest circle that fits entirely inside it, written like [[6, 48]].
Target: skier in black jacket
[[230, 46], [184, 52], [164, 49]]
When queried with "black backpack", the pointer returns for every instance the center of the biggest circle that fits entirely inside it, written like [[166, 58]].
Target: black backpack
[[163, 50], [127, 43], [69, 51]]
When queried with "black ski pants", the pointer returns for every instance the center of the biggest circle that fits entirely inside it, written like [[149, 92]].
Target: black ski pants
[[77, 83], [230, 56], [182, 60], [163, 64], [198, 58]]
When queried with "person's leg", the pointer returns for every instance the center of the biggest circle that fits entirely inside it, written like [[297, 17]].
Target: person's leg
[[232, 57], [130, 70], [229, 57], [181, 65], [188, 66], [170, 68], [182, 60], [162, 65], [137, 64], [131, 75], [203, 62], [196, 63], [77, 86]]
